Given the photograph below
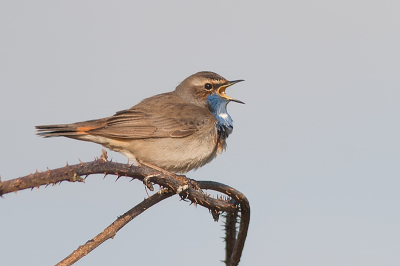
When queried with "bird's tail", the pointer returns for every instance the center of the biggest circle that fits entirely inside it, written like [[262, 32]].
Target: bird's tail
[[74, 130]]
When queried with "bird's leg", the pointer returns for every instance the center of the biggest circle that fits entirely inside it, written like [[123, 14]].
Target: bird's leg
[[192, 183], [165, 172], [103, 156]]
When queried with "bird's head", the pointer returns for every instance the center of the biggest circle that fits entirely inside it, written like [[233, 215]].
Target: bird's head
[[196, 88]]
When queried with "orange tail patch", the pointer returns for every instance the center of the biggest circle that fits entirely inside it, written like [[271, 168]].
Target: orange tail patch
[[82, 130]]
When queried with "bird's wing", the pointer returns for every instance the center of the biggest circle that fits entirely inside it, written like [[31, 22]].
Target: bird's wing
[[175, 121]]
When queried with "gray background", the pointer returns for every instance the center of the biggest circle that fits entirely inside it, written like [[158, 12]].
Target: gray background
[[315, 148]]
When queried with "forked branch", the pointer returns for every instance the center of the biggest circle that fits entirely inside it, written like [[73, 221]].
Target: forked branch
[[170, 183]]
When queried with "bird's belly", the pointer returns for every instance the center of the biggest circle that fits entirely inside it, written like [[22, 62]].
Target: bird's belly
[[175, 154]]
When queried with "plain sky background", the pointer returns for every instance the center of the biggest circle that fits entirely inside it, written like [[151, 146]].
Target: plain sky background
[[315, 148]]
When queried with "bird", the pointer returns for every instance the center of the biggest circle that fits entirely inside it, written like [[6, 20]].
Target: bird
[[176, 131]]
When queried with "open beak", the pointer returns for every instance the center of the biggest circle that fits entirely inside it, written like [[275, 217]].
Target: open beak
[[221, 90]]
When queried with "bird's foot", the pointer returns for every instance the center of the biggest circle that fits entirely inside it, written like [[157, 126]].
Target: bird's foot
[[190, 182], [147, 182]]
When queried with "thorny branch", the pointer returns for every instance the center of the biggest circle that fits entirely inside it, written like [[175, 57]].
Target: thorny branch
[[231, 220], [170, 183]]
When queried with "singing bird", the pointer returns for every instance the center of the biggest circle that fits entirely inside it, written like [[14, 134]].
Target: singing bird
[[177, 131]]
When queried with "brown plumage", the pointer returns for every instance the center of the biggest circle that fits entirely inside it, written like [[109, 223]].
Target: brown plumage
[[176, 131]]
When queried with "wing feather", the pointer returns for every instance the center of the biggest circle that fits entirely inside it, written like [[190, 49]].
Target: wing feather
[[175, 121]]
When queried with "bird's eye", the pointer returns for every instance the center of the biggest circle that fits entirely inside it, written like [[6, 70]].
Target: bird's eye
[[208, 86]]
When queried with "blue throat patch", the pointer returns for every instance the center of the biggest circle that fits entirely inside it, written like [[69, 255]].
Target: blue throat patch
[[217, 106]]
